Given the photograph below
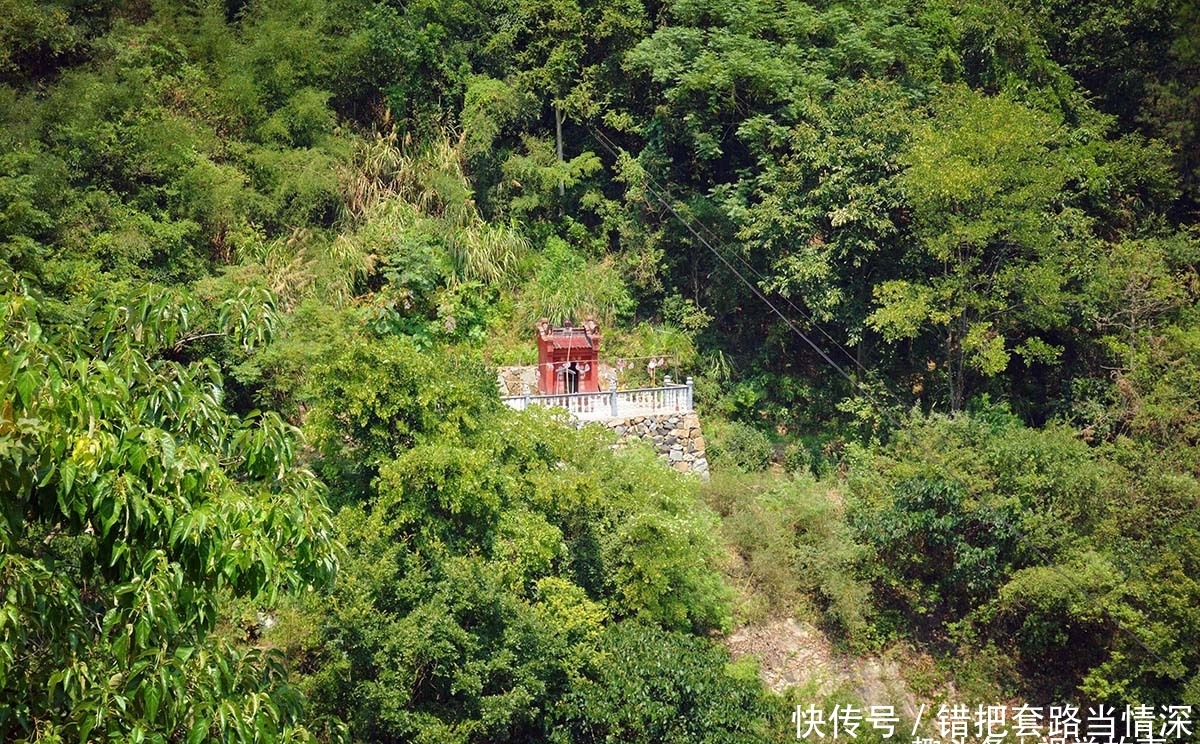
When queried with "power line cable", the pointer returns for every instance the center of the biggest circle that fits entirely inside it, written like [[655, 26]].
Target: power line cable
[[657, 191], [608, 145]]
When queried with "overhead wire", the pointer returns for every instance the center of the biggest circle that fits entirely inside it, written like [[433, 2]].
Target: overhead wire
[[658, 192], [608, 145]]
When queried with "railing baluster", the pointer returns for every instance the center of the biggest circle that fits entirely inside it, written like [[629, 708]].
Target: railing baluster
[[613, 403]]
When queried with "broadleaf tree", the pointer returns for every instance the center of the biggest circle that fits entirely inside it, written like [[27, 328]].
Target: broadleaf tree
[[134, 506]]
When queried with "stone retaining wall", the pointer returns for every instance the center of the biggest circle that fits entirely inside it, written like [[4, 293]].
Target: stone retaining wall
[[677, 437], [517, 380]]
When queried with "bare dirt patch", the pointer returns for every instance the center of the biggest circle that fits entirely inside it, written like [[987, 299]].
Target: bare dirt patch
[[793, 653]]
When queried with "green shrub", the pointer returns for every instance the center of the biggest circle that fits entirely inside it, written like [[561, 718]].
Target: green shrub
[[799, 557], [798, 459], [743, 447], [656, 686]]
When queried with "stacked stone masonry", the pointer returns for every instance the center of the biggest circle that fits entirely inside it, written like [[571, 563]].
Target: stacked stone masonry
[[677, 437]]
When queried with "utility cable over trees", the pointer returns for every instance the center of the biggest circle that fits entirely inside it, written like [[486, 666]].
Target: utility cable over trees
[[257, 258]]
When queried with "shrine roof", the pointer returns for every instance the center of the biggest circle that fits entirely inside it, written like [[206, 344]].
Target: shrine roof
[[570, 342]]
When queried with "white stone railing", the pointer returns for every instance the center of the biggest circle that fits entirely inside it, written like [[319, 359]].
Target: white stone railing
[[670, 398]]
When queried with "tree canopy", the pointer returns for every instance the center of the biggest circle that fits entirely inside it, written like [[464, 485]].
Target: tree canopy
[[262, 257]]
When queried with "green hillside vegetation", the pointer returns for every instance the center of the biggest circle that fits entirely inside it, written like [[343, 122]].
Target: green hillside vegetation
[[261, 258]]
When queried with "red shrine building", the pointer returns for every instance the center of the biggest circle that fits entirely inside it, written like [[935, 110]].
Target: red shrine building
[[568, 358]]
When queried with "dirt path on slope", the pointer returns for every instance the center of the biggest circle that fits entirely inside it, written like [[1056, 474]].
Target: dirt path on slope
[[797, 654]]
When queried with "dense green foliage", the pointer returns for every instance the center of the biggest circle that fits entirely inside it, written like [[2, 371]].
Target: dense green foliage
[[258, 255], [1063, 555], [133, 503], [488, 552]]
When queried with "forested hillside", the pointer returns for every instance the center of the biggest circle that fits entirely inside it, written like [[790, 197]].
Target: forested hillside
[[934, 268]]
